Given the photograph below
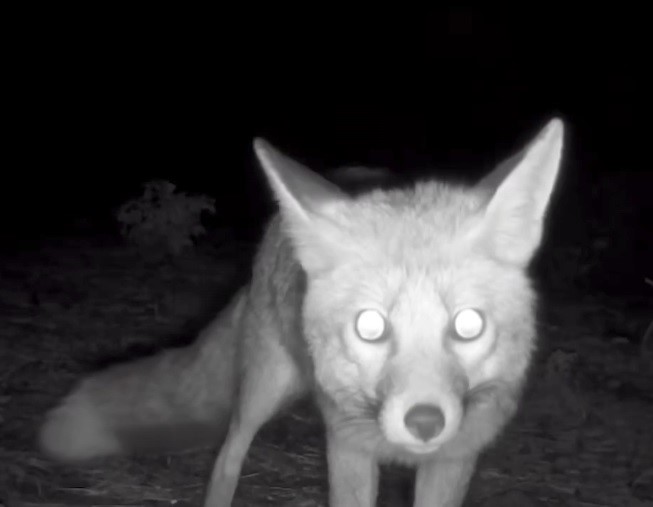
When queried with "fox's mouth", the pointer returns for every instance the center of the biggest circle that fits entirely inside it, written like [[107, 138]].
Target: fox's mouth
[[362, 420], [423, 449], [481, 394], [474, 399]]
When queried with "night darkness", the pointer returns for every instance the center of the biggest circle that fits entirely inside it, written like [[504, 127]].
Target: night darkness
[[104, 101]]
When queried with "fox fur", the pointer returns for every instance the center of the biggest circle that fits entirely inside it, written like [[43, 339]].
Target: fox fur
[[407, 313]]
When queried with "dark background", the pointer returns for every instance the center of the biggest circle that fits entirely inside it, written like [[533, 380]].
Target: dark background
[[109, 99]]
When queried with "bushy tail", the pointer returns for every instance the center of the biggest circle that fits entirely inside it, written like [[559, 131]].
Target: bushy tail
[[177, 399]]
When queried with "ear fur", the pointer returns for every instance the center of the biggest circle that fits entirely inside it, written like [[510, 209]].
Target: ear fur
[[513, 221], [309, 205], [511, 227]]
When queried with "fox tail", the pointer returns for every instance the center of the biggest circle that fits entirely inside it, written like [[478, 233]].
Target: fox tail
[[175, 400]]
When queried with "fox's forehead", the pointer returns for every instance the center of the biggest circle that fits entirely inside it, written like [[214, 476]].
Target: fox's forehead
[[423, 282], [413, 243], [422, 220]]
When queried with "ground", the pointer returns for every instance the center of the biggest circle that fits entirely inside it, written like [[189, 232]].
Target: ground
[[582, 436]]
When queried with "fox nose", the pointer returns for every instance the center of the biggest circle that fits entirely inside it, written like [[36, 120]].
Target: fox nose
[[424, 421]]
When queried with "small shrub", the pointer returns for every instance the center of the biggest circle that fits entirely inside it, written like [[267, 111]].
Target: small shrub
[[163, 221]]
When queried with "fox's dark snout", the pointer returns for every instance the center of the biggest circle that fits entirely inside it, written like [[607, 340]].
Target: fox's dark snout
[[425, 421]]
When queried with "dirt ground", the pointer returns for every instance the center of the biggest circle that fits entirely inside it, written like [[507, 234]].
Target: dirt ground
[[583, 436]]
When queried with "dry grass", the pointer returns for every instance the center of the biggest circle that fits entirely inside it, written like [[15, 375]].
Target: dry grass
[[582, 437]]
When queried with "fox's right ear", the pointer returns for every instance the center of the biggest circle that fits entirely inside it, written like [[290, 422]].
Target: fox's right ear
[[308, 203]]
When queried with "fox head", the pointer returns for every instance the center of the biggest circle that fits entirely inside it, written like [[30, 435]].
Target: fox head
[[418, 310]]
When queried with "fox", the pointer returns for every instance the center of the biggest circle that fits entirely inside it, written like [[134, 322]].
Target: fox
[[406, 313]]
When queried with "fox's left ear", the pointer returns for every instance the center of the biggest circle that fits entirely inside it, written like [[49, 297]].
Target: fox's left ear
[[522, 187], [308, 203]]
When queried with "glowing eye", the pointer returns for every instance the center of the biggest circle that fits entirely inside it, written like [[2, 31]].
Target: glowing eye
[[370, 325], [469, 324]]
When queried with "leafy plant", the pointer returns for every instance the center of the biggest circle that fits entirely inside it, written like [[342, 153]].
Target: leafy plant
[[162, 220]]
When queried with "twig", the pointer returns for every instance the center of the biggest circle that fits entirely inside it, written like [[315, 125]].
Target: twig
[[647, 346]]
